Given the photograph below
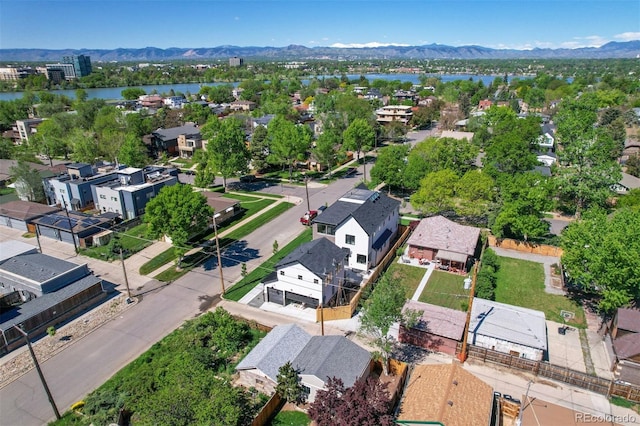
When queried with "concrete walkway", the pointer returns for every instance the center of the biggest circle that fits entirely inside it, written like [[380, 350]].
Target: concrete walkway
[[423, 281]]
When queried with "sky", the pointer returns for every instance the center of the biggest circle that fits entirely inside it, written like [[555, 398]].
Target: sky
[[499, 24]]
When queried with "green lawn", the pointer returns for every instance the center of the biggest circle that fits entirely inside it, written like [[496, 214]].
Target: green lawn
[[446, 289], [291, 418], [132, 241], [165, 257], [521, 283], [405, 275], [254, 277]]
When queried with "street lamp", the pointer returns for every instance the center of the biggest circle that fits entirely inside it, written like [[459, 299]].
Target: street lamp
[[35, 362]]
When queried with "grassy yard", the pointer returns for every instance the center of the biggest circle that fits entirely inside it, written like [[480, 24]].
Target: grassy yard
[[254, 277], [405, 275], [446, 289], [165, 257], [132, 241], [521, 283], [290, 418]]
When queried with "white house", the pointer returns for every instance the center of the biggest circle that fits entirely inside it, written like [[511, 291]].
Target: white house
[[506, 328], [311, 273], [363, 221]]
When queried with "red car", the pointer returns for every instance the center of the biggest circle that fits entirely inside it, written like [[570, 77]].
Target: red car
[[308, 217]]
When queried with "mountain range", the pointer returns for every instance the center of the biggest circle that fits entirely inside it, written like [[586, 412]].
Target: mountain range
[[630, 49]]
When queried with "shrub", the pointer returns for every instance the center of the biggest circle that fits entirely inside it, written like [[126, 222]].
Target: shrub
[[490, 258], [51, 331]]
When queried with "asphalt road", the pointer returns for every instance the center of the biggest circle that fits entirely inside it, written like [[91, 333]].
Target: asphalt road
[[89, 362]]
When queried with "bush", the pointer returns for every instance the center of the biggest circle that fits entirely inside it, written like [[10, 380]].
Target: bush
[[486, 283], [490, 258], [51, 331]]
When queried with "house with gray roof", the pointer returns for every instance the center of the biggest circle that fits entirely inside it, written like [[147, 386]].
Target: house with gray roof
[[316, 358], [40, 291], [510, 329], [311, 274], [259, 369], [166, 140], [364, 222]]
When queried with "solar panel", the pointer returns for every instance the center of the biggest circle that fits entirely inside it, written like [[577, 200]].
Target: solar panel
[[47, 220]]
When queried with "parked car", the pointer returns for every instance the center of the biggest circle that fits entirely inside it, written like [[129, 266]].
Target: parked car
[[308, 217]]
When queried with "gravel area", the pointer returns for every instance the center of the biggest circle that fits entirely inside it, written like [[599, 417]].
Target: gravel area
[[18, 362]]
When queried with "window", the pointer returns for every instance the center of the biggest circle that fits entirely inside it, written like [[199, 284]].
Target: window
[[326, 229], [350, 239], [281, 272], [300, 277], [315, 281], [103, 197], [114, 198], [362, 259]]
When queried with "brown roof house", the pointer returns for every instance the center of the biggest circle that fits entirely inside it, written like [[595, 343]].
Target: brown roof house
[[448, 394], [225, 208], [438, 329], [626, 344], [440, 239], [20, 214]]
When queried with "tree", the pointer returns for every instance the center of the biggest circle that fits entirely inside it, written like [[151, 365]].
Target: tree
[[436, 192], [259, 149], [133, 152], [325, 150], [390, 166], [178, 212], [28, 182], [633, 165], [359, 136], [288, 143], [476, 191], [601, 253], [132, 93], [288, 384], [226, 150], [6, 149], [380, 311], [366, 403]]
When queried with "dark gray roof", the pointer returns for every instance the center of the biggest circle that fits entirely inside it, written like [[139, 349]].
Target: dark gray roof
[[174, 132], [318, 256], [40, 304], [332, 356], [281, 345], [368, 208], [36, 267]]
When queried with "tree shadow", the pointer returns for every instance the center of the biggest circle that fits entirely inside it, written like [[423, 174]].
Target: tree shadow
[[233, 255]]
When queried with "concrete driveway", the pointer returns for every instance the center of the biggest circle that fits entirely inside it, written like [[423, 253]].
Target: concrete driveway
[[565, 350]]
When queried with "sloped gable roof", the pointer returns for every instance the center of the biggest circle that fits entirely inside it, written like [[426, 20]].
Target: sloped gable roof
[[332, 356], [438, 320], [318, 256], [281, 345], [25, 210], [173, 132], [446, 393], [629, 319], [441, 233], [627, 346]]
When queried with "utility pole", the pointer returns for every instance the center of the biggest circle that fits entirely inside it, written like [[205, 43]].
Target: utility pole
[[35, 362], [522, 405], [75, 246], [463, 352], [306, 188], [215, 230], [38, 239], [126, 280]]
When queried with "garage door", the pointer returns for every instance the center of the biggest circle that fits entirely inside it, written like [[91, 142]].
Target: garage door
[[309, 302], [275, 296], [18, 224]]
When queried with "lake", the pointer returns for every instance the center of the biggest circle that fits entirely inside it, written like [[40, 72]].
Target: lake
[[115, 93]]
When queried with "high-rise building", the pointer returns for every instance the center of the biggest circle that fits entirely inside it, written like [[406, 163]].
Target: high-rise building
[[81, 64], [55, 71], [236, 62]]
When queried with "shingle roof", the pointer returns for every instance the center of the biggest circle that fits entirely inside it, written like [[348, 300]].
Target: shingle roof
[[174, 132], [446, 393], [627, 346], [629, 319], [437, 320], [332, 356], [368, 208], [441, 233], [280, 346], [11, 248], [318, 256], [508, 323], [36, 266], [25, 210]]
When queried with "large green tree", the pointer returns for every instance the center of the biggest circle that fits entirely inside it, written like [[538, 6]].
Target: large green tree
[[28, 182], [390, 166], [436, 192], [288, 142], [289, 385], [133, 152], [227, 151], [177, 211], [602, 253], [359, 137]]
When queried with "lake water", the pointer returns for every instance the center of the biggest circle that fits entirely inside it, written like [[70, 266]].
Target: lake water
[[116, 92]]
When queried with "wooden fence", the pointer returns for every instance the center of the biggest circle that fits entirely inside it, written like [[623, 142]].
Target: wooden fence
[[544, 369], [268, 410], [524, 246], [346, 311]]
